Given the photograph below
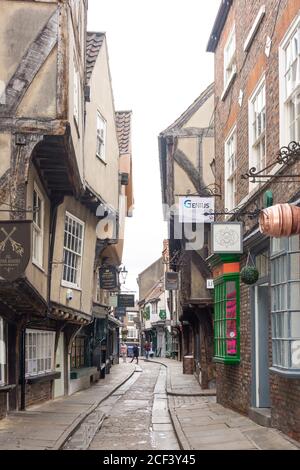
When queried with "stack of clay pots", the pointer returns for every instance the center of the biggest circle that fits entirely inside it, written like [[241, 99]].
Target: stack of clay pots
[[281, 220]]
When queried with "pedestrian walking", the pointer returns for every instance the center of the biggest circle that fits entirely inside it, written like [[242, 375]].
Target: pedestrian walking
[[147, 348], [124, 351], [135, 354]]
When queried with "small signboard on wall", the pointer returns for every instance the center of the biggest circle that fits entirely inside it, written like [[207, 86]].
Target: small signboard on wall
[[210, 284], [227, 237], [171, 281], [196, 209], [15, 248], [108, 277]]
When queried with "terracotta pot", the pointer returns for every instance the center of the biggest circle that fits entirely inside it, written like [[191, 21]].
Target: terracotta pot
[[287, 220], [281, 220], [296, 220]]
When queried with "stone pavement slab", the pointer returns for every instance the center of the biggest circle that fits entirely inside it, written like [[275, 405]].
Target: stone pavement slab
[[45, 426], [201, 423], [211, 428]]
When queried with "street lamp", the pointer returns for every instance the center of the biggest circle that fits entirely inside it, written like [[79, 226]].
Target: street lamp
[[123, 275]]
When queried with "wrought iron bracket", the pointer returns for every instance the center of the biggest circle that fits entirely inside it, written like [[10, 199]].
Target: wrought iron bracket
[[286, 156], [213, 189], [239, 213]]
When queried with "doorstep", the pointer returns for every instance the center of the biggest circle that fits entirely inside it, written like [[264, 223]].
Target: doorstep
[[261, 416]]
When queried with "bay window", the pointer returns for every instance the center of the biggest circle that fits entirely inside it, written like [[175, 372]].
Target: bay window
[[285, 303], [227, 319], [39, 352]]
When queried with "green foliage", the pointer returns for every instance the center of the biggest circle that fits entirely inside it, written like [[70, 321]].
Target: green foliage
[[249, 275], [146, 313]]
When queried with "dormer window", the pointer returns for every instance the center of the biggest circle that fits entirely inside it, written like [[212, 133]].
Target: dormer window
[[101, 137]]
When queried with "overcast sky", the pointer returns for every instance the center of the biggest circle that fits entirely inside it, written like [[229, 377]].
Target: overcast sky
[[159, 66]]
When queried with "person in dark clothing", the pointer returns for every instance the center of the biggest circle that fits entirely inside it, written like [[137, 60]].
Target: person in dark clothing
[[135, 354]]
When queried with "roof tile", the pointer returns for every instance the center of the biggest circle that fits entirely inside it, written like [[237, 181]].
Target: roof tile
[[93, 45], [123, 123]]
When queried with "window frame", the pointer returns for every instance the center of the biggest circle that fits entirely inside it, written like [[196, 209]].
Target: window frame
[[134, 330], [281, 317], [102, 140], [74, 352], [131, 317], [38, 356], [220, 319], [3, 352], [76, 92], [232, 177], [284, 98], [64, 282], [229, 61], [39, 231], [254, 161]]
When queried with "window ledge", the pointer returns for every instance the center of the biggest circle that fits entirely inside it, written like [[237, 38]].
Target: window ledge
[[228, 86], [226, 361], [38, 266], [288, 374], [43, 377], [70, 286], [7, 388], [101, 159], [254, 29]]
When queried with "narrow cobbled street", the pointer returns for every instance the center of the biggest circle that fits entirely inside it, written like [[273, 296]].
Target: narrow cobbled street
[[137, 414], [149, 406]]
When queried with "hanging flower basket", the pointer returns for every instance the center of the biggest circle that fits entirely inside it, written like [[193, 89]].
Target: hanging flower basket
[[249, 275]]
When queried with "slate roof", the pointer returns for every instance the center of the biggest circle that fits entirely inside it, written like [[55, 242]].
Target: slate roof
[[93, 45], [123, 124]]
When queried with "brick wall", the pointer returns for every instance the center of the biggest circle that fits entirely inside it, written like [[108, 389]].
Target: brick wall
[[38, 392], [3, 405], [234, 382]]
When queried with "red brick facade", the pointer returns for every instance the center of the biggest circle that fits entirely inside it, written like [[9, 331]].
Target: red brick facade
[[234, 381]]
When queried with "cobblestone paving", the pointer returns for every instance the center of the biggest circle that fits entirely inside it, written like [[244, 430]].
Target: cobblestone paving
[[137, 416]]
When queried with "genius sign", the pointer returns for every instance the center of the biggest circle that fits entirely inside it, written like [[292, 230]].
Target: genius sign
[[196, 209]]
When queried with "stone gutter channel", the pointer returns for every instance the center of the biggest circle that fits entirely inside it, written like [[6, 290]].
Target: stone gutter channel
[[81, 432]]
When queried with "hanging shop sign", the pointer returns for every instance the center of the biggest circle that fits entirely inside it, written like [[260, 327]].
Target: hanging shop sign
[[162, 314], [210, 284], [15, 248], [120, 311], [125, 300], [227, 237], [196, 209], [171, 281], [108, 277]]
